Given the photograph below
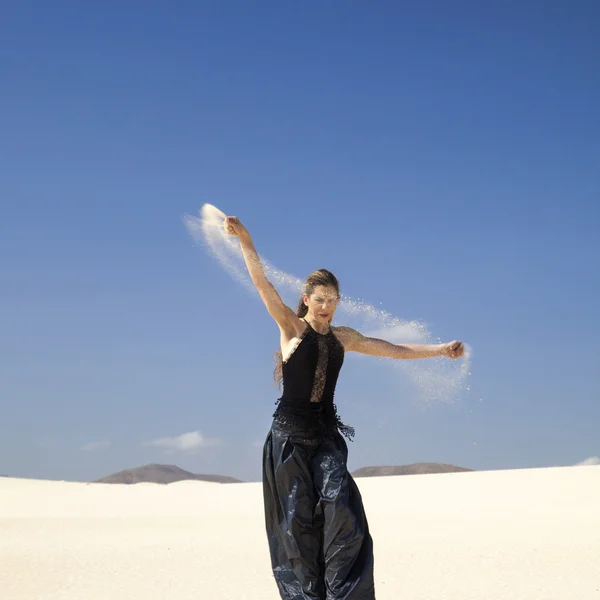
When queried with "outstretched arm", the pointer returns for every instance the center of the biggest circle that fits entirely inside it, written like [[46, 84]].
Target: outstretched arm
[[283, 314], [356, 342]]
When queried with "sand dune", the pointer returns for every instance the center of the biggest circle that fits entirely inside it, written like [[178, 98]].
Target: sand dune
[[514, 535]]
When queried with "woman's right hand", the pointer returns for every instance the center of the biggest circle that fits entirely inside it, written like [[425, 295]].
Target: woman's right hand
[[233, 226]]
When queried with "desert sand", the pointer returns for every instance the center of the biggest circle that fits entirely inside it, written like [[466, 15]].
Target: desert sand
[[529, 534]]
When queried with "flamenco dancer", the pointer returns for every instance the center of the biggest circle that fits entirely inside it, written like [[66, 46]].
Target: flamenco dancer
[[317, 530]]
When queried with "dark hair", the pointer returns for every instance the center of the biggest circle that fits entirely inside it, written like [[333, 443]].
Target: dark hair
[[320, 277]]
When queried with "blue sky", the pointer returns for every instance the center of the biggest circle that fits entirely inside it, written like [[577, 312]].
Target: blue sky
[[441, 158]]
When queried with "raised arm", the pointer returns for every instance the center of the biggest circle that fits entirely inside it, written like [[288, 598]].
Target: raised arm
[[283, 314], [356, 342]]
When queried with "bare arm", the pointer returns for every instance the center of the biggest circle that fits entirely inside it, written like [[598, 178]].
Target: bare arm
[[356, 342], [283, 314]]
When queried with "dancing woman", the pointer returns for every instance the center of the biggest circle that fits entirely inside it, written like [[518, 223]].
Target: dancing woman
[[317, 530]]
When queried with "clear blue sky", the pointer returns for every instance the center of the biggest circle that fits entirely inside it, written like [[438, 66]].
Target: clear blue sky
[[443, 159]]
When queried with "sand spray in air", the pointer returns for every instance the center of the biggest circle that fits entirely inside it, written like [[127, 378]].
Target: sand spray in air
[[435, 379]]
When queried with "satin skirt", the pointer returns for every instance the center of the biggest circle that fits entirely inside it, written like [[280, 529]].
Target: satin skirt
[[317, 530]]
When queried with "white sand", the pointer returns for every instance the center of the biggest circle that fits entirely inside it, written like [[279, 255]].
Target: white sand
[[530, 535]]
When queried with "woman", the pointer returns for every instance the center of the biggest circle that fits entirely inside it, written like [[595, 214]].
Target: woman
[[317, 530]]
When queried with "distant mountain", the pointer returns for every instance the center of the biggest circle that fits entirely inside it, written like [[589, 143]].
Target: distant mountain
[[161, 474], [414, 469]]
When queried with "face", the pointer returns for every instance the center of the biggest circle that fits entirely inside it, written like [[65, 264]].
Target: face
[[322, 303]]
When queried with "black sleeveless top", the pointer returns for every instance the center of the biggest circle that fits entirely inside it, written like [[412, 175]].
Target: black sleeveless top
[[310, 375]]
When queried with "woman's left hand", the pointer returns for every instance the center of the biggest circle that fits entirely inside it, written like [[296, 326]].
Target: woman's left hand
[[454, 349]]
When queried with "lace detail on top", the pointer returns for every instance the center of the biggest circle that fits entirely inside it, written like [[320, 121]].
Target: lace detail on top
[[309, 378], [315, 419], [321, 370]]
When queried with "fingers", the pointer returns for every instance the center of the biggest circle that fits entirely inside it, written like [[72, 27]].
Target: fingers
[[229, 225], [456, 349]]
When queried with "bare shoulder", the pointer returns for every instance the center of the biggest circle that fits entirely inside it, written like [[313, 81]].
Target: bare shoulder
[[293, 326], [347, 336], [291, 334]]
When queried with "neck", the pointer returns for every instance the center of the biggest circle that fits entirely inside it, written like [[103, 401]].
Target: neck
[[318, 327]]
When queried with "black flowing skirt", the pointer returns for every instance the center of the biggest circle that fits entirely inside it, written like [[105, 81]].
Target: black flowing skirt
[[317, 530]]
